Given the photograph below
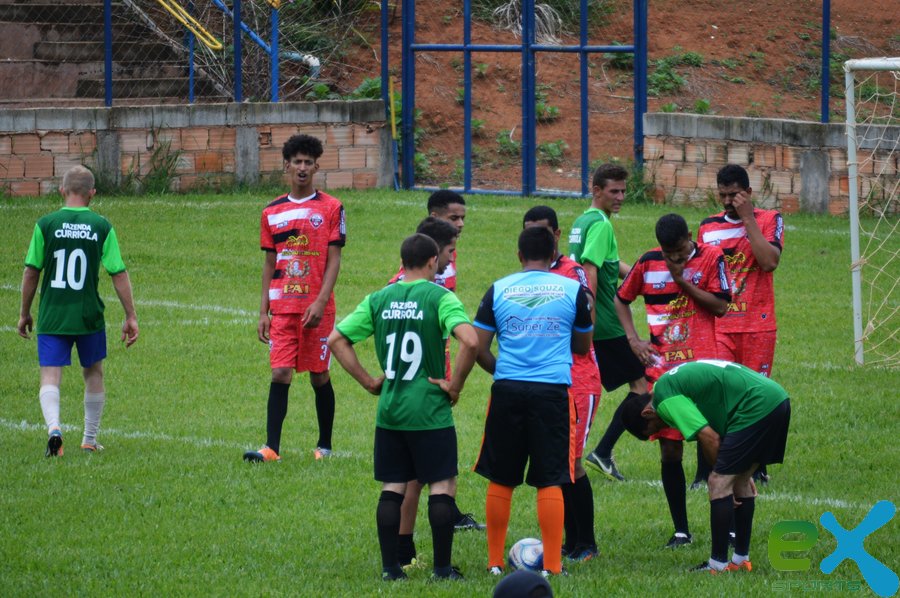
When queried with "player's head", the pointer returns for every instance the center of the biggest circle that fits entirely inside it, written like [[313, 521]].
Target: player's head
[[523, 584], [639, 417], [543, 216], [444, 234], [301, 154], [608, 187], [536, 244], [418, 251], [731, 180], [79, 182], [448, 205], [674, 238]]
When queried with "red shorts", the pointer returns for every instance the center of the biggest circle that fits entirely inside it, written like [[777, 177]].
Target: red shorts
[[586, 405], [303, 349], [756, 350]]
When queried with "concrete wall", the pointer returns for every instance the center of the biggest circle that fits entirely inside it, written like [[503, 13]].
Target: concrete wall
[[793, 165], [216, 144]]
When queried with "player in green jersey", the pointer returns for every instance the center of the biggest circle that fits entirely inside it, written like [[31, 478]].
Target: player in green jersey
[[414, 433], [70, 245], [740, 418]]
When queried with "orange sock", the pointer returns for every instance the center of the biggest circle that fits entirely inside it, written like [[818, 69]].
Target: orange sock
[[551, 514], [499, 501]]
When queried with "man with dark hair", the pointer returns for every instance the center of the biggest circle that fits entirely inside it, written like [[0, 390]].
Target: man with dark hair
[[740, 420], [592, 243], [539, 319], [752, 240], [414, 436], [578, 498], [684, 289], [302, 234]]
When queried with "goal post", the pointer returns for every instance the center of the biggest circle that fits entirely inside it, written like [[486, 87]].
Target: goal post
[[873, 125]]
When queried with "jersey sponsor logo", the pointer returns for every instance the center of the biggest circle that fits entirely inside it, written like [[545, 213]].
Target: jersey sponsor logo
[[518, 327], [737, 307], [297, 269], [297, 241], [676, 333], [736, 259], [316, 220], [574, 237], [661, 319], [679, 302], [679, 355], [696, 277], [75, 231], [403, 310], [534, 295], [295, 289]]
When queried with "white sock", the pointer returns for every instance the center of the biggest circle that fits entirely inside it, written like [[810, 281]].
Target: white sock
[[49, 396], [717, 565], [738, 559], [93, 410]]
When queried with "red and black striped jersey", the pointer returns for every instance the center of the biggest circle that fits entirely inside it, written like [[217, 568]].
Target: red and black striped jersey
[[585, 374], [299, 232], [752, 308], [446, 279]]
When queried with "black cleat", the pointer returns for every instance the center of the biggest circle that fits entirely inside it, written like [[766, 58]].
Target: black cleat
[[679, 539], [467, 522]]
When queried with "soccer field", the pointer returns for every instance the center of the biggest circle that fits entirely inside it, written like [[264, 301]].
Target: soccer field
[[169, 508]]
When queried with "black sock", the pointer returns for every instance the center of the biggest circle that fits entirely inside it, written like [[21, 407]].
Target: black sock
[[442, 516], [703, 468], [720, 514], [614, 431], [325, 413], [571, 528], [743, 525], [584, 511], [277, 409], [406, 548], [674, 486], [387, 517]]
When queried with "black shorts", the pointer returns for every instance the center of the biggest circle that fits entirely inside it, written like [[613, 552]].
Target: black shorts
[[528, 423], [617, 363], [424, 455], [762, 443]]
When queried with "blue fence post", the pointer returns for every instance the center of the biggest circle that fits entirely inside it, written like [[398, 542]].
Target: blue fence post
[[408, 94], [529, 166], [585, 105], [467, 98], [826, 60], [273, 55], [640, 78], [107, 52], [238, 68]]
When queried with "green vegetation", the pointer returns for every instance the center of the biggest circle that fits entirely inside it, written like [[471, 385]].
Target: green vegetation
[[169, 508], [506, 145], [552, 153]]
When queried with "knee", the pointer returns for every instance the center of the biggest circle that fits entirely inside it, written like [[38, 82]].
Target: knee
[[319, 379], [282, 375], [670, 450]]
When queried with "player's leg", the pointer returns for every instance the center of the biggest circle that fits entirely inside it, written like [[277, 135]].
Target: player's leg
[[91, 353], [393, 465], [721, 511], [436, 456], [578, 497], [54, 353], [409, 510], [758, 354], [745, 496], [671, 451], [315, 356], [325, 405]]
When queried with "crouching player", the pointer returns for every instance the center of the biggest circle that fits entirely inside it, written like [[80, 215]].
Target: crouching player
[[740, 419]]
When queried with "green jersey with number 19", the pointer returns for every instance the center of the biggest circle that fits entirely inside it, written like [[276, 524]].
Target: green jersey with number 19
[[411, 322], [69, 245]]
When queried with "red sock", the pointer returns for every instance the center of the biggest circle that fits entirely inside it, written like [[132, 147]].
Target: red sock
[[497, 507], [551, 515]]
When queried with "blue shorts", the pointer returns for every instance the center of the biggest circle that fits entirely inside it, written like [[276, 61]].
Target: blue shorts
[[55, 350]]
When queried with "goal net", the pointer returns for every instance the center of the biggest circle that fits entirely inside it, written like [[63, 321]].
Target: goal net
[[873, 151]]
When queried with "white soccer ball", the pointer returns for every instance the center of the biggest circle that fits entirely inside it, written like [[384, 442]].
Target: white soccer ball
[[527, 553]]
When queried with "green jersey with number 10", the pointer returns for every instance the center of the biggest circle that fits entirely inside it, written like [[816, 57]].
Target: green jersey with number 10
[[411, 322], [69, 245]]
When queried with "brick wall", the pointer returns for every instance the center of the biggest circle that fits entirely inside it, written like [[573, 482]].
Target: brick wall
[[212, 144], [793, 165]]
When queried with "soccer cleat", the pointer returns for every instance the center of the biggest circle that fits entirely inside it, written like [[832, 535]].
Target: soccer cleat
[[745, 566], [387, 575], [263, 455], [546, 574], [583, 553], [761, 477], [605, 465], [322, 453], [467, 522], [679, 539], [698, 483], [54, 444], [91, 448], [495, 571], [705, 567], [454, 575]]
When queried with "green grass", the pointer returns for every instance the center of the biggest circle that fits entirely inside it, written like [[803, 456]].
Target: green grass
[[170, 509]]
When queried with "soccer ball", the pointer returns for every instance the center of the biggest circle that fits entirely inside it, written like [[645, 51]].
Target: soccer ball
[[527, 553]]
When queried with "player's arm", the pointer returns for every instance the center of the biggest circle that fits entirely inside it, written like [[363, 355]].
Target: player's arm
[[590, 272], [316, 309], [709, 444], [583, 325], [766, 254], [343, 351], [642, 349], [485, 358], [122, 284], [30, 278], [268, 271], [465, 360], [624, 269], [715, 305]]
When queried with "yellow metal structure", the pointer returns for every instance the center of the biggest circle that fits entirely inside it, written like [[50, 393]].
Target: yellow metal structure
[[192, 24]]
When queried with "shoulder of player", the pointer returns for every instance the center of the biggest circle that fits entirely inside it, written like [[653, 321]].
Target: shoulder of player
[[280, 200], [708, 252], [654, 255], [326, 198]]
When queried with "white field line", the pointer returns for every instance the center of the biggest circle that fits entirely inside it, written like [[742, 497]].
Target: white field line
[[787, 497]]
